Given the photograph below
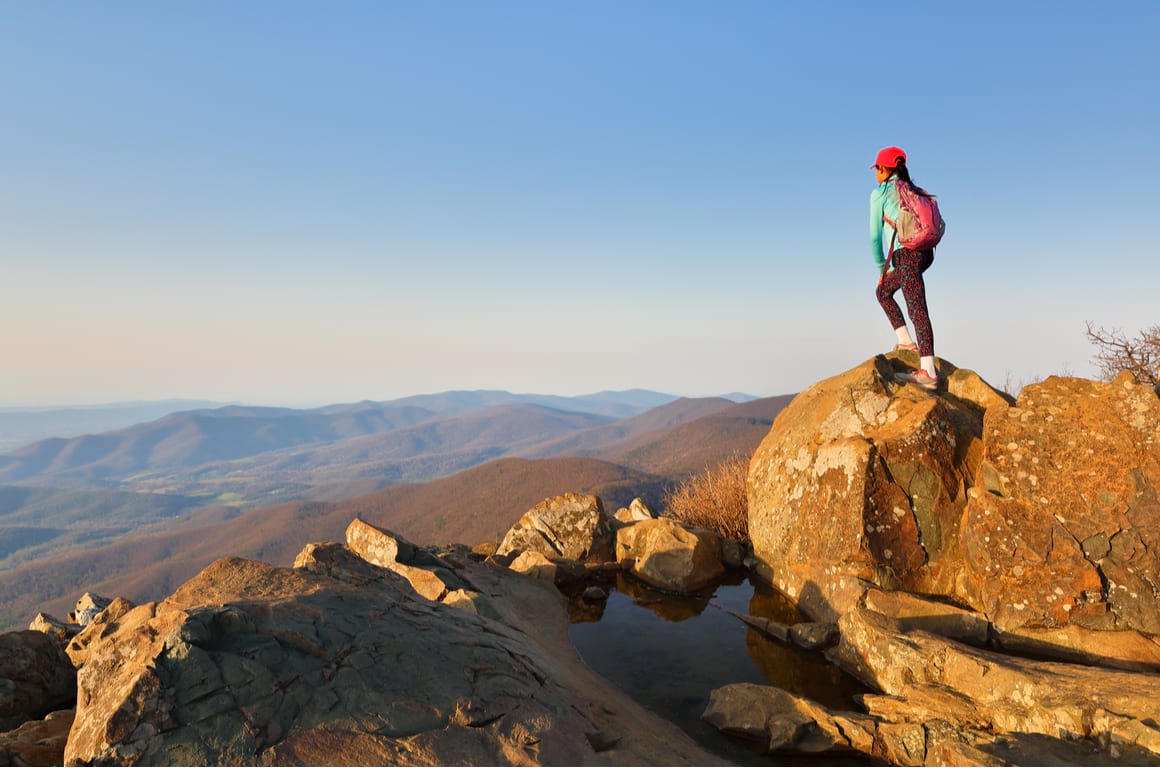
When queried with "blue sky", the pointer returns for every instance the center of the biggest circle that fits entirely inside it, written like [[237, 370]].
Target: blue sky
[[293, 203]]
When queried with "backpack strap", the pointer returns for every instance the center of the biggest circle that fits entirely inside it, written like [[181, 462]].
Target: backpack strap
[[893, 229]]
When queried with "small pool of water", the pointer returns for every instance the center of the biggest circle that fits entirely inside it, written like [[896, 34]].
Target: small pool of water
[[668, 652]]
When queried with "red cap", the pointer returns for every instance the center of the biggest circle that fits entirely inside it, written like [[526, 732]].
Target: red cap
[[889, 157]]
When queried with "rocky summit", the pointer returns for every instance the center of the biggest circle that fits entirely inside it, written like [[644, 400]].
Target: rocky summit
[[341, 661], [372, 652], [990, 565], [1040, 513]]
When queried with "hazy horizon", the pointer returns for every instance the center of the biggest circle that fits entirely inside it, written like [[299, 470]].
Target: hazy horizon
[[294, 203], [15, 407]]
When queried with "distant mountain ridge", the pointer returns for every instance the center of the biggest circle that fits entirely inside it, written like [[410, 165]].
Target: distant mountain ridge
[[21, 426], [189, 439], [240, 454], [618, 404]]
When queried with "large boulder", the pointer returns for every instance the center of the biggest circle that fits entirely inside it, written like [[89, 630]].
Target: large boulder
[[426, 574], [88, 606], [635, 511], [37, 742], [945, 703], [572, 526], [1040, 513], [339, 661], [1065, 524], [63, 631], [536, 565], [665, 554], [98, 626], [36, 677], [862, 482], [779, 720]]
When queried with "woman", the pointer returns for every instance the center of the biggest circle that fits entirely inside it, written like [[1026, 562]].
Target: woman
[[900, 267]]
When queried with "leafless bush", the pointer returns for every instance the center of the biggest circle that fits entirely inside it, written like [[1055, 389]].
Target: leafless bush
[[1013, 386], [715, 499], [1116, 352]]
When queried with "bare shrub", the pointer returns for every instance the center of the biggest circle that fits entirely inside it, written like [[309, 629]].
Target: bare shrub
[[1116, 352], [714, 499]]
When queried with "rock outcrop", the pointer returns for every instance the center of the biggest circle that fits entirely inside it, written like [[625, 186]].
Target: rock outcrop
[[535, 564], [36, 677], [944, 702], [63, 631], [568, 539], [862, 482], [88, 606], [427, 574], [665, 554], [341, 661], [571, 526], [98, 626], [637, 510], [1063, 525], [936, 678], [947, 533], [1042, 514], [37, 742]]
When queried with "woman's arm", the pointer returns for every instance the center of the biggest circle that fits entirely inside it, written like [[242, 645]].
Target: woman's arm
[[877, 201]]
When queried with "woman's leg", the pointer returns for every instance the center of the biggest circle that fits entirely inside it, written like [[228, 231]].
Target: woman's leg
[[887, 287], [911, 264]]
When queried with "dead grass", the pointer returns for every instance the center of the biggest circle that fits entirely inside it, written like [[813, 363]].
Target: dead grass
[[714, 499]]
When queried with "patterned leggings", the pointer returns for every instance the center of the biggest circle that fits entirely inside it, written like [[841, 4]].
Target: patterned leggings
[[907, 275]]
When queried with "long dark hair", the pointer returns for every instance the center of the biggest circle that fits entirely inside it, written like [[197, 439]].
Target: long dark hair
[[901, 172]]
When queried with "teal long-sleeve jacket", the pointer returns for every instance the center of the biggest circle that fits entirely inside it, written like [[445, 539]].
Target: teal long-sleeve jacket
[[883, 200]]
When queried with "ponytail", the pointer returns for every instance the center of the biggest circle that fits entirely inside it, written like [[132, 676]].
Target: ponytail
[[901, 172]]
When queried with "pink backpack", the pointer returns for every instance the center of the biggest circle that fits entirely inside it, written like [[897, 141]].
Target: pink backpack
[[920, 226]]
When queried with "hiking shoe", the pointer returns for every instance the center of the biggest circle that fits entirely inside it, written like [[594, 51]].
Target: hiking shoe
[[919, 377], [905, 347]]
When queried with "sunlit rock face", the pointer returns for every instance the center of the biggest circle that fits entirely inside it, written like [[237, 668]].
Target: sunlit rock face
[[862, 482], [1064, 524], [668, 555], [571, 526], [1040, 513], [945, 703]]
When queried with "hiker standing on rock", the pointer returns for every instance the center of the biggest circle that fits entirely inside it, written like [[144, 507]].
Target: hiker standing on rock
[[897, 223]]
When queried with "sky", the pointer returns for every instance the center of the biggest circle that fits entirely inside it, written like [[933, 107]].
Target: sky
[[297, 203]]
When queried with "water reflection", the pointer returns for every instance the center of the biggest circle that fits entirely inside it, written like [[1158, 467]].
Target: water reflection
[[668, 652]]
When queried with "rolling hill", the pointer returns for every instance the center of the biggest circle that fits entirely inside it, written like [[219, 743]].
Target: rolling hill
[[436, 446], [192, 438], [36, 522], [162, 450], [648, 424], [695, 445], [470, 507]]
